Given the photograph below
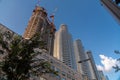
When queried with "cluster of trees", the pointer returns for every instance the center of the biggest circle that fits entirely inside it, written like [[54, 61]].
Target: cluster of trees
[[21, 60]]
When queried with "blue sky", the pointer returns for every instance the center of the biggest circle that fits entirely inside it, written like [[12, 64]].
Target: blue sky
[[87, 20]]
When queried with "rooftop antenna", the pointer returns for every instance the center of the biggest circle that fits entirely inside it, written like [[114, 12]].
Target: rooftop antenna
[[53, 14]]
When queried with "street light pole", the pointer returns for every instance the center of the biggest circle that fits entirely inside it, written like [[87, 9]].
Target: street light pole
[[83, 60]]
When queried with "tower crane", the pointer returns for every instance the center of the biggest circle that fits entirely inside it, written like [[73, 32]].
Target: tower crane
[[53, 14]]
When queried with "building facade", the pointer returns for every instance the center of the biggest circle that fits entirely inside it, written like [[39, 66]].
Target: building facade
[[92, 66], [80, 55], [85, 61], [107, 78], [113, 7], [102, 76], [39, 23], [63, 47], [64, 72], [7, 36]]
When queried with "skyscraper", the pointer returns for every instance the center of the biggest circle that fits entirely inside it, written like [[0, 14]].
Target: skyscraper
[[63, 47], [102, 76], [39, 23], [113, 7], [92, 66], [85, 61], [64, 72], [80, 55], [108, 78]]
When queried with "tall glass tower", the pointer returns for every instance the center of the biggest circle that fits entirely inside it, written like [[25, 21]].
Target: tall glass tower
[[63, 47], [85, 61], [80, 55]]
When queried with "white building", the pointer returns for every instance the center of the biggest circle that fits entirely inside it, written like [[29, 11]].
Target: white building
[[63, 47]]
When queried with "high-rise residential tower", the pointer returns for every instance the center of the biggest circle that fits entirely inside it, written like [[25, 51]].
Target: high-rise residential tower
[[92, 66], [80, 55], [107, 78], [63, 47], [102, 76], [113, 7], [39, 23], [85, 61]]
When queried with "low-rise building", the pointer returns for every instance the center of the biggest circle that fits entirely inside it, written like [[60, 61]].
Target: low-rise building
[[64, 71], [7, 36]]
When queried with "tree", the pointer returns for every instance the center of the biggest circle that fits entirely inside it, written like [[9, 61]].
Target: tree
[[21, 60], [117, 68]]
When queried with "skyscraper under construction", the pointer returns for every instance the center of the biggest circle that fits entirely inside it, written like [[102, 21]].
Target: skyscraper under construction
[[40, 23]]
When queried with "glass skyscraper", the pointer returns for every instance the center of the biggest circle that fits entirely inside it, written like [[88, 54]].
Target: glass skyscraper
[[80, 55], [63, 47], [85, 61]]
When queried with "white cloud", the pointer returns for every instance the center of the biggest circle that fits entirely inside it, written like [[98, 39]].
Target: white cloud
[[99, 67], [107, 63]]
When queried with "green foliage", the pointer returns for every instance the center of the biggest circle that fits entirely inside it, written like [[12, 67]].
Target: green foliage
[[20, 62], [117, 68]]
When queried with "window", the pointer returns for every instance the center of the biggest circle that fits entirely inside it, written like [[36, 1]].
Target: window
[[42, 78], [1, 51], [52, 75], [53, 67], [63, 79], [63, 73], [58, 77], [8, 35], [68, 76], [57, 69]]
